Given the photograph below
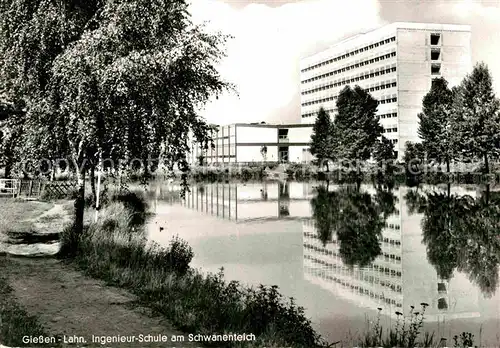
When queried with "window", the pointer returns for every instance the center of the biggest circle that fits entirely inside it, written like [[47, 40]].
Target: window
[[435, 69], [435, 38], [435, 54], [442, 304]]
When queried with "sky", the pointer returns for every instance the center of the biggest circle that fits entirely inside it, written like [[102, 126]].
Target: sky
[[270, 38]]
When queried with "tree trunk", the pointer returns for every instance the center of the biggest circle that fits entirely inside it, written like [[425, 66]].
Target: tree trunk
[[486, 164], [53, 173], [327, 167], [487, 200], [80, 203], [449, 189], [447, 165], [92, 184], [8, 170]]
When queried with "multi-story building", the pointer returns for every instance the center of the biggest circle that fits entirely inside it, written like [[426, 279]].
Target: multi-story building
[[242, 143], [396, 64]]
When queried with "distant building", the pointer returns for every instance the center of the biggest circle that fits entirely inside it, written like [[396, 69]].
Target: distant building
[[245, 142], [396, 64]]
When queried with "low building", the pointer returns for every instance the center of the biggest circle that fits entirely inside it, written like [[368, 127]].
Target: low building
[[256, 142]]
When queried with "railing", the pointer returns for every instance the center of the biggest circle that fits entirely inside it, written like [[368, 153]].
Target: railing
[[9, 187]]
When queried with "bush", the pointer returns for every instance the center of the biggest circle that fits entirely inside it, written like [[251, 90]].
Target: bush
[[176, 257]]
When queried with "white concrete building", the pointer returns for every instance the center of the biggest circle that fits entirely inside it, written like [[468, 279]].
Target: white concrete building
[[396, 64], [243, 143]]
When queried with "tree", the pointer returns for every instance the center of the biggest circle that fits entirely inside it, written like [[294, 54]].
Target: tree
[[414, 157], [116, 80], [321, 138], [357, 218], [356, 124], [435, 122], [476, 117]]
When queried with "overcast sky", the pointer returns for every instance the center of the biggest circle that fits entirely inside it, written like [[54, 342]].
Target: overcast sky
[[270, 38]]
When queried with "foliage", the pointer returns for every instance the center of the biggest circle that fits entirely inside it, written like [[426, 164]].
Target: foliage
[[114, 80], [476, 117], [383, 150], [356, 218], [461, 233], [357, 127], [263, 152], [177, 256], [435, 122], [414, 160], [322, 138]]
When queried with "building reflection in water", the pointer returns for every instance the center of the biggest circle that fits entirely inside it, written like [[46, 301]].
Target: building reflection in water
[[394, 275], [369, 246], [251, 201]]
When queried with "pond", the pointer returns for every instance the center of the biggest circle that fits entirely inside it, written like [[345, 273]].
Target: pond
[[342, 251]]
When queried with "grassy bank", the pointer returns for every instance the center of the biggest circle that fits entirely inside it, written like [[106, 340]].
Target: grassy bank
[[115, 249], [15, 323]]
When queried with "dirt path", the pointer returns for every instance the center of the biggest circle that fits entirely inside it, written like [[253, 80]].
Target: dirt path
[[71, 304]]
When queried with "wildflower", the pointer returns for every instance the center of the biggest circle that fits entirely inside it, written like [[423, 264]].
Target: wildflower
[[423, 304], [412, 307], [399, 313], [379, 308]]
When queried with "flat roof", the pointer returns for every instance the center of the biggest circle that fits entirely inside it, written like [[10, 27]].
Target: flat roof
[[381, 31], [270, 125]]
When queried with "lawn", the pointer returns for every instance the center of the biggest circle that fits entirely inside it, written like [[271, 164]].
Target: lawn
[[20, 215]]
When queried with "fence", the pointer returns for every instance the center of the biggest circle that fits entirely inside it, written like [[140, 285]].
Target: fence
[[9, 187], [35, 188]]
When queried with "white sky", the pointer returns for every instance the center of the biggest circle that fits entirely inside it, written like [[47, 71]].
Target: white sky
[[269, 40]]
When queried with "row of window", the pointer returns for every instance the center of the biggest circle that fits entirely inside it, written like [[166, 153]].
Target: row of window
[[391, 241], [352, 79], [393, 226], [372, 280], [371, 88], [387, 100], [350, 54], [367, 292], [389, 257], [385, 240], [389, 115], [350, 67], [390, 130], [326, 252]]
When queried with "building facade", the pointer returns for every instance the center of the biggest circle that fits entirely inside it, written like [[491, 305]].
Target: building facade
[[396, 64], [246, 143]]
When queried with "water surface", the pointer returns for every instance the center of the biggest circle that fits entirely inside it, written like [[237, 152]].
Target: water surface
[[343, 252]]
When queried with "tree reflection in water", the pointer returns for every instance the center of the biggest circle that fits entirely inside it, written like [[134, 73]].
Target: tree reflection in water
[[461, 233], [356, 218]]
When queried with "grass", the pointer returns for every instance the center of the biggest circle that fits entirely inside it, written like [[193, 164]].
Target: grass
[[15, 323], [407, 333], [115, 249], [17, 215]]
